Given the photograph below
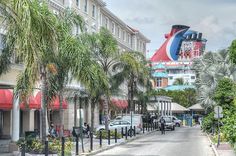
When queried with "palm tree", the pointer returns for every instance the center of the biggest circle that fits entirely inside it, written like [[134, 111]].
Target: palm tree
[[131, 69], [103, 47], [69, 49], [31, 36], [210, 69]]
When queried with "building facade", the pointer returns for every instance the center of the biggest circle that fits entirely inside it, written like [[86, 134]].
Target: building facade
[[14, 121]]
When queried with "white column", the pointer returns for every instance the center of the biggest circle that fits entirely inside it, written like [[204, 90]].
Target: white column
[[162, 108], [170, 108], [15, 119], [167, 108], [31, 120]]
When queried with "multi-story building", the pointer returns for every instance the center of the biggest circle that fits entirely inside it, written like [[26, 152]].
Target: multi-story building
[[173, 60], [95, 15]]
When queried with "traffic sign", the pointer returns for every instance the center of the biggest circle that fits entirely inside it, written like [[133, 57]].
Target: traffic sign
[[217, 116], [218, 109]]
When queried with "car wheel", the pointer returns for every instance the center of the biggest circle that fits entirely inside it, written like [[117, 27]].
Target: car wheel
[[177, 124], [173, 128]]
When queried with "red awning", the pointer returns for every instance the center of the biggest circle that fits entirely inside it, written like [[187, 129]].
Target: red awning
[[31, 104], [55, 104], [6, 99], [121, 104]]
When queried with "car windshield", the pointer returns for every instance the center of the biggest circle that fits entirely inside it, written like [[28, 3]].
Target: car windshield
[[134, 119], [167, 119]]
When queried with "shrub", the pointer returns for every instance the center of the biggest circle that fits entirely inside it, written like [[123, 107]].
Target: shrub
[[229, 128], [35, 146], [105, 134], [208, 122]]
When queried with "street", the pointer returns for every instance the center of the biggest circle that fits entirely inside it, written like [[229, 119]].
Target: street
[[184, 141]]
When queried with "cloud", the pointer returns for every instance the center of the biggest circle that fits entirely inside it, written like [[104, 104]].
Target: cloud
[[214, 18], [141, 20]]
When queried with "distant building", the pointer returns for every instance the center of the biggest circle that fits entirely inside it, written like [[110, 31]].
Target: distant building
[[173, 60]]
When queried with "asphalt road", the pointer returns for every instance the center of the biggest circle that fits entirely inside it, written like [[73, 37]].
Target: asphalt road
[[183, 141]]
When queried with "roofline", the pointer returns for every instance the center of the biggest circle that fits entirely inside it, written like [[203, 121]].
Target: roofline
[[101, 2]]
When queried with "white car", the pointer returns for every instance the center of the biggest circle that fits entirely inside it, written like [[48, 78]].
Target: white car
[[117, 124], [177, 121], [137, 121]]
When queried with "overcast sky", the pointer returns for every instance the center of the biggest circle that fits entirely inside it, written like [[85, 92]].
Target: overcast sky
[[216, 19]]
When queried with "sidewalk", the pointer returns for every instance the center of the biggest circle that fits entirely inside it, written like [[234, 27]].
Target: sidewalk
[[105, 146], [223, 150]]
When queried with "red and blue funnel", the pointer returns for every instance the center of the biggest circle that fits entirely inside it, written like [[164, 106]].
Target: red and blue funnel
[[169, 51]]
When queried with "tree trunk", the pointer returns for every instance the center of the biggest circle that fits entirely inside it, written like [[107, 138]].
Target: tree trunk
[[106, 113], [75, 110], [81, 124], [92, 103], [43, 105], [61, 117]]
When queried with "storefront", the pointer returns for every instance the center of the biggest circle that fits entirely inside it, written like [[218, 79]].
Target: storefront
[[6, 100]]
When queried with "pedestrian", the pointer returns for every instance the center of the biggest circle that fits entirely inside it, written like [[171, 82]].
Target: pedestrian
[[163, 122], [52, 131], [88, 130]]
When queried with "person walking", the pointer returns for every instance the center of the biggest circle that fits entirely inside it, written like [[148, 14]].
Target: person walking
[[163, 122]]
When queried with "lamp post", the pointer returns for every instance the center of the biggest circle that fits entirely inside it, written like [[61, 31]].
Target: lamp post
[[75, 110]]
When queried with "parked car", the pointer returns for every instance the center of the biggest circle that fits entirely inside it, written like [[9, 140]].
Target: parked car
[[177, 121], [137, 121], [170, 124], [117, 124]]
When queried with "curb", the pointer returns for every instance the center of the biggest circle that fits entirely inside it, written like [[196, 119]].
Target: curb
[[115, 145], [212, 146]]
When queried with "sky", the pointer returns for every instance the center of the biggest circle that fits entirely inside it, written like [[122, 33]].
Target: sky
[[216, 19]]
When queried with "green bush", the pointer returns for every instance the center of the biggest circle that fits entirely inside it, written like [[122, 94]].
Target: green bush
[[105, 134], [222, 138], [33, 145], [229, 128], [208, 122]]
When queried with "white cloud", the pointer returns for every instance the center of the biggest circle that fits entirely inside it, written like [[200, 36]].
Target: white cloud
[[214, 18]]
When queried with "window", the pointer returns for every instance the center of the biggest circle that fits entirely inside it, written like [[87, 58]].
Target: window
[[124, 35], [77, 29], [192, 77], [107, 23], [118, 31], [129, 38], [94, 11], [171, 78], [115, 123], [85, 5], [86, 28], [159, 82], [78, 3], [113, 28], [125, 123]]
